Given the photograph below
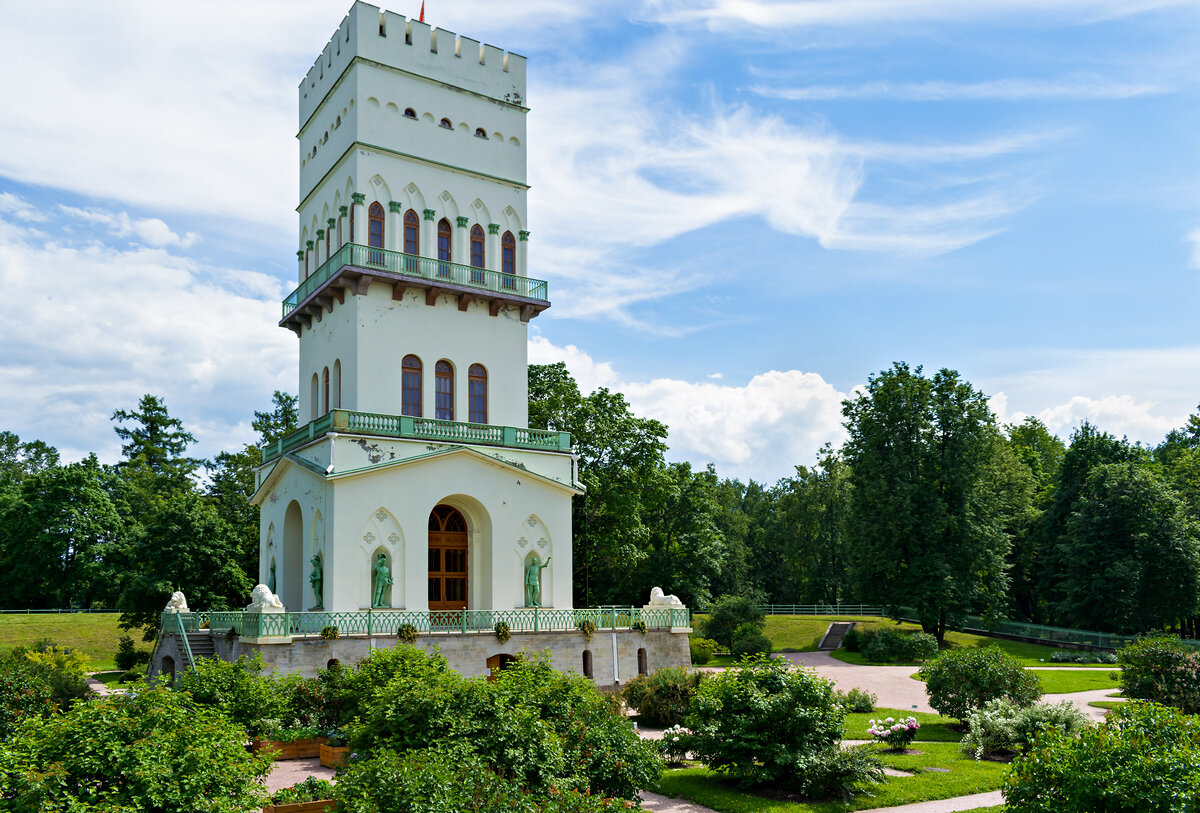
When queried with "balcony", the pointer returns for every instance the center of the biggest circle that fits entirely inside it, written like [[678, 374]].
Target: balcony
[[355, 266], [406, 426]]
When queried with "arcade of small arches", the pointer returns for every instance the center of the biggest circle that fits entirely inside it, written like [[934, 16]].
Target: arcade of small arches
[[326, 390], [407, 233]]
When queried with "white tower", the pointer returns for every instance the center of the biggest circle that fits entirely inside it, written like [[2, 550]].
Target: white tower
[[412, 313]]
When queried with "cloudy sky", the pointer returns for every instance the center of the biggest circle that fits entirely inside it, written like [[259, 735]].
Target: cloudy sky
[[744, 208]]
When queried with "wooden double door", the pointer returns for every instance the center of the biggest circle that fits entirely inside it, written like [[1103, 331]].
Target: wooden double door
[[447, 559]]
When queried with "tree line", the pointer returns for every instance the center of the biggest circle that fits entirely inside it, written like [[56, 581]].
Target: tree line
[[930, 504]]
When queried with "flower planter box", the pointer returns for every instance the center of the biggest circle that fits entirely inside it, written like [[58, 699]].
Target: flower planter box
[[319, 806], [297, 749], [332, 756]]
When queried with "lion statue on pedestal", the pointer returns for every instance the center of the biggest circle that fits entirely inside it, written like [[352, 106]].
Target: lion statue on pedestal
[[177, 604], [262, 597]]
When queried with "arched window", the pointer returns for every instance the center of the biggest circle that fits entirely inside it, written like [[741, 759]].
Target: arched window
[[445, 124], [480, 132], [643, 663], [409, 113], [375, 233], [477, 394], [352, 208], [412, 233], [508, 259], [477, 257], [314, 403], [410, 385], [587, 663], [443, 391], [337, 384], [325, 391], [445, 237]]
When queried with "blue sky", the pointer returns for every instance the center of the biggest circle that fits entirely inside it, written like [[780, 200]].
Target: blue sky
[[744, 208]]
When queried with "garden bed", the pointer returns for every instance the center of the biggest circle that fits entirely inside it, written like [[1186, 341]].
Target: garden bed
[[319, 806], [332, 756], [296, 749]]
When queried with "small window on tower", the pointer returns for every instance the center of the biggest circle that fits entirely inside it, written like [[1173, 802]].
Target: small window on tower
[[480, 132], [477, 394], [445, 124], [477, 253], [508, 259], [443, 391], [410, 386], [443, 247], [409, 113]]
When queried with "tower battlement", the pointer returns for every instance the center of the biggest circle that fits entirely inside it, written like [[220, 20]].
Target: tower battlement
[[415, 47]]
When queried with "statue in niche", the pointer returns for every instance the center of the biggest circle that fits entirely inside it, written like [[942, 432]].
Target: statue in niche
[[317, 579], [533, 582], [271, 578], [381, 580]]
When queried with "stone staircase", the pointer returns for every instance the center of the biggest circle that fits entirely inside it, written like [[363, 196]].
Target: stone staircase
[[834, 635], [201, 644]]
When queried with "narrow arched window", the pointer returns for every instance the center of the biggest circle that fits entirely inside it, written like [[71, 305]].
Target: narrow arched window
[[444, 240], [409, 113], [445, 124], [412, 233], [508, 259], [477, 258], [477, 394], [444, 391], [643, 662], [352, 208], [375, 233], [337, 384], [480, 132], [314, 402], [410, 386], [325, 391]]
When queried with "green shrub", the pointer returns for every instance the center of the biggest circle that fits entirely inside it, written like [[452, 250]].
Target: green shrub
[[835, 772], [503, 633], [885, 644], [727, 614], [149, 750], [239, 690], [1000, 727], [349, 692], [1078, 656], [128, 656], [1145, 757], [764, 721], [407, 633], [133, 675], [850, 641], [310, 790], [919, 646], [24, 691], [64, 668], [702, 650], [329, 633], [1163, 670], [961, 680], [856, 701], [662, 699], [749, 644], [448, 778]]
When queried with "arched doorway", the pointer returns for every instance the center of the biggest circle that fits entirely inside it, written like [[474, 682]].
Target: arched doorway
[[447, 559], [290, 576]]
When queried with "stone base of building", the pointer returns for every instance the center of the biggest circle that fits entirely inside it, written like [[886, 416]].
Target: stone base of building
[[609, 659]]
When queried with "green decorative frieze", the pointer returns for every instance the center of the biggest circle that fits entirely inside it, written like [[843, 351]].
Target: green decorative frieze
[[358, 198], [430, 214], [394, 206], [493, 228], [523, 235], [462, 222]]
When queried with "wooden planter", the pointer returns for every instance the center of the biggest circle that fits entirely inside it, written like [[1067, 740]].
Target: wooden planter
[[297, 749], [319, 806], [332, 756]]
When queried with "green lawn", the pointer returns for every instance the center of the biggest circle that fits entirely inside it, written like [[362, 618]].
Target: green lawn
[[1055, 682], [934, 727], [1026, 654], [95, 634], [1107, 704], [964, 776]]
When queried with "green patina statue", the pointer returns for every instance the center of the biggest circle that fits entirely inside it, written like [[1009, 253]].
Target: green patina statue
[[381, 580], [271, 578], [533, 582], [317, 579]]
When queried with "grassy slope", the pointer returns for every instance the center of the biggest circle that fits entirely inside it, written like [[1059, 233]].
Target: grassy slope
[[965, 776], [95, 634]]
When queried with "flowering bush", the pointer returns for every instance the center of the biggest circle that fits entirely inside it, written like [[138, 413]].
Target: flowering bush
[[896, 733], [675, 742]]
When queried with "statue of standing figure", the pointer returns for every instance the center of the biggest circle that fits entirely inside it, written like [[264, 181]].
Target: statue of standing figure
[[271, 578], [533, 582], [381, 580], [317, 579]]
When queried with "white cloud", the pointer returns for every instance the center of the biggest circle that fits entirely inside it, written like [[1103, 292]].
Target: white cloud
[[760, 430], [150, 231], [20, 208], [1070, 87], [109, 324]]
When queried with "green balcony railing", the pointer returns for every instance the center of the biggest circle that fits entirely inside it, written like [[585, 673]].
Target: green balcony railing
[[425, 268], [407, 426], [387, 622]]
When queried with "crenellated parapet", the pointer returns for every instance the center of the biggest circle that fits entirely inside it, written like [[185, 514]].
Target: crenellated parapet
[[409, 45]]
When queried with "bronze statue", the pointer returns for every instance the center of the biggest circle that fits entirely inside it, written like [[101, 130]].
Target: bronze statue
[[317, 579], [381, 580], [533, 582]]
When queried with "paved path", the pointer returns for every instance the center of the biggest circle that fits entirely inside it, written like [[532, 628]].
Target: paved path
[[288, 772], [890, 684]]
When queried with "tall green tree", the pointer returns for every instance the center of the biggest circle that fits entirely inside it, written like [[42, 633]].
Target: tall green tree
[[926, 528], [814, 508], [1130, 558], [1033, 459], [20, 459], [156, 440]]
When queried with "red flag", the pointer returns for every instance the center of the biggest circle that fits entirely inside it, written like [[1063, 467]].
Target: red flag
[[422, 18]]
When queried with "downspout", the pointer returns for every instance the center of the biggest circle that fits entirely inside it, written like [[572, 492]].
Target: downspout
[[332, 437], [616, 664]]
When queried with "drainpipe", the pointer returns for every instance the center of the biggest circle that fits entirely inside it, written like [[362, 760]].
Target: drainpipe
[[332, 437], [616, 664]]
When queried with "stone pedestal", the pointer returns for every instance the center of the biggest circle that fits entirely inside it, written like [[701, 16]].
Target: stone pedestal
[[267, 620]]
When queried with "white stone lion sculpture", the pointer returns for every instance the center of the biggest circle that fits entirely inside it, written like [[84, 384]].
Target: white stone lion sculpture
[[660, 599], [262, 597], [177, 604]]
